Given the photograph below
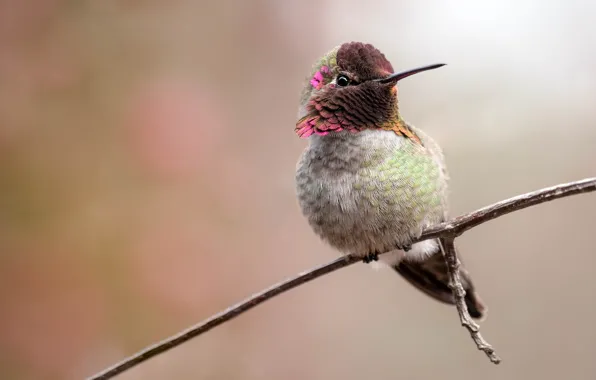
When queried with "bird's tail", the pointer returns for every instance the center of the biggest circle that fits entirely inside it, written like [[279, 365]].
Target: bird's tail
[[431, 277]]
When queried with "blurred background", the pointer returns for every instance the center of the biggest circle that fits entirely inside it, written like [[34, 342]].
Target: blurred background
[[147, 159]]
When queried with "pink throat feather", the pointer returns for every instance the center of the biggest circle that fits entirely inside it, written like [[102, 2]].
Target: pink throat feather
[[318, 126], [322, 122]]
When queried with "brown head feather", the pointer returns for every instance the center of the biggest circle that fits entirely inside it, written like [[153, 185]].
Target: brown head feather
[[363, 60]]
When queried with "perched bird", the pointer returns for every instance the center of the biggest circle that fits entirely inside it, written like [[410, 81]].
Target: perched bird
[[369, 182]]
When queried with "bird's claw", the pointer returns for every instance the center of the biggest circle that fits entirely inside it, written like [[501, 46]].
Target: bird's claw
[[405, 247], [370, 257]]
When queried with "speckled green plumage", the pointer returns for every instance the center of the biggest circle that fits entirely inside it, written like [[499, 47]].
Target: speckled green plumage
[[406, 174]]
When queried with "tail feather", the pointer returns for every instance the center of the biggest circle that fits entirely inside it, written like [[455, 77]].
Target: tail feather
[[431, 277]]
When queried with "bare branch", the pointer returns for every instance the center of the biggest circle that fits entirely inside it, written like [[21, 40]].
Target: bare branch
[[223, 316], [453, 263], [465, 222], [449, 230]]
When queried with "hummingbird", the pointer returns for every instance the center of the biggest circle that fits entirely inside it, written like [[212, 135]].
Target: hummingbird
[[369, 182]]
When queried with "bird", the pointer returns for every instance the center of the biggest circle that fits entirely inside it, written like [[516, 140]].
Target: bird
[[369, 182]]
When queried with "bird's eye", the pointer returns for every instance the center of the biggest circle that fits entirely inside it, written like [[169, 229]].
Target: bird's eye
[[342, 80]]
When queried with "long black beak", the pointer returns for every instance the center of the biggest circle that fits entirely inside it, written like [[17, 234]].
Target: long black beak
[[394, 78]]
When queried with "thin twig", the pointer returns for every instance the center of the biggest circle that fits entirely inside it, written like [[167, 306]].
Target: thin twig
[[453, 263], [465, 222], [453, 228], [223, 316]]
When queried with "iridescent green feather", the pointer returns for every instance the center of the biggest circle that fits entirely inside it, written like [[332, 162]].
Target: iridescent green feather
[[408, 176]]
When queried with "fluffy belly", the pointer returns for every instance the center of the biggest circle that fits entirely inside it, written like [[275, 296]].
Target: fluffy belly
[[370, 211], [370, 191]]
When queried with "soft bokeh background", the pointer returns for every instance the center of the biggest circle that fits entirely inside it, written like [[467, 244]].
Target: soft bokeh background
[[147, 161]]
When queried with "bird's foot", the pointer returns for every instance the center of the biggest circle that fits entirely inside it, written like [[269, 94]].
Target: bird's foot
[[405, 247], [370, 257]]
